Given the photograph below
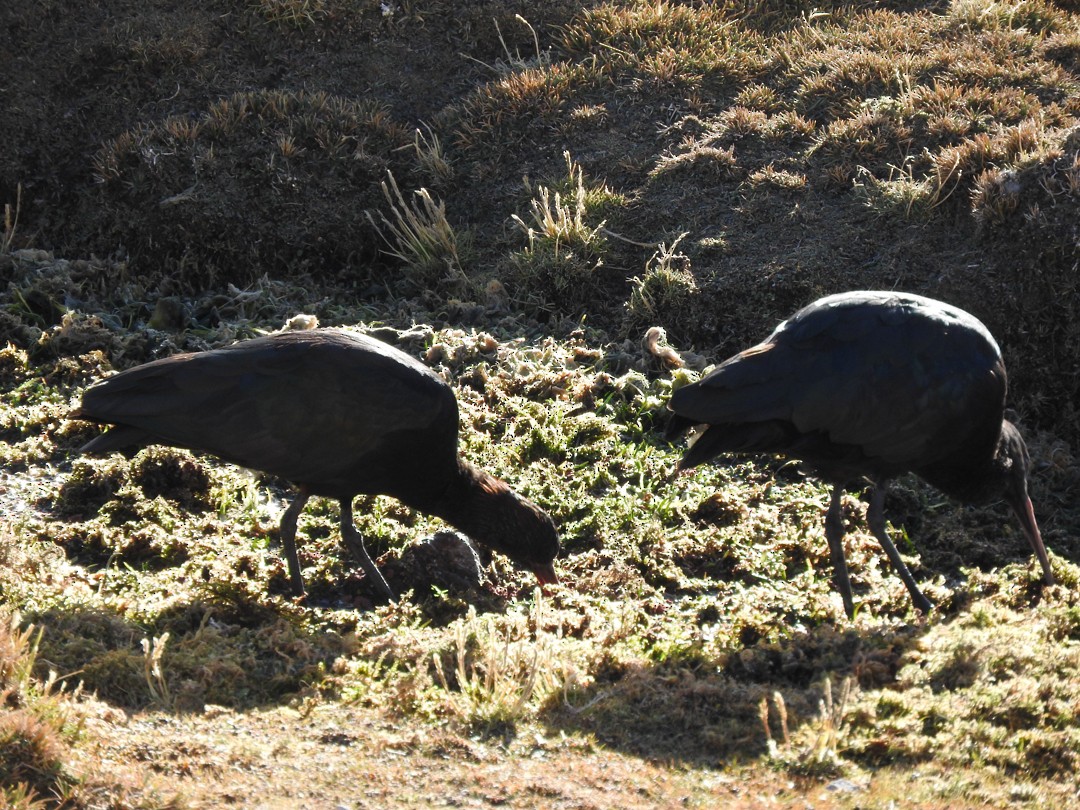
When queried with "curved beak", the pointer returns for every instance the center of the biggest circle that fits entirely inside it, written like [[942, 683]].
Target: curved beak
[[1021, 504], [545, 572]]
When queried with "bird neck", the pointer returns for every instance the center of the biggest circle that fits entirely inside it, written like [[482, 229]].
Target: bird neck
[[468, 497], [977, 476], [492, 514]]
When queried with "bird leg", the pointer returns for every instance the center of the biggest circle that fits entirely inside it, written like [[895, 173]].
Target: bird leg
[[355, 542], [875, 517], [287, 533], [834, 533]]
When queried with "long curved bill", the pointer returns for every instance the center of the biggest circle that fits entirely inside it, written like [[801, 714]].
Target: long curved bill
[[545, 572], [1026, 512]]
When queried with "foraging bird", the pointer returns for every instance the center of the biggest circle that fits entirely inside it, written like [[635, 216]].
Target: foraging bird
[[870, 385], [336, 414]]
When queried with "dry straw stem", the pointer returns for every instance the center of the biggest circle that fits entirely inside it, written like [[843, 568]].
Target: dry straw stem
[[11, 222], [153, 650], [514, 61], [824, 732]]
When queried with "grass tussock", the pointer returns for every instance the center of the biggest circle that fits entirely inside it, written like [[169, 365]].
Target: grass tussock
[[565, 245], [497, 676], [666, 292], [421, 237]]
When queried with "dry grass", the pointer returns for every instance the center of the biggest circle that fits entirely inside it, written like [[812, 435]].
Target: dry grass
[[260, 176], [565, 244], [11, 222], [41, 722], [695, 653], [422, 238]]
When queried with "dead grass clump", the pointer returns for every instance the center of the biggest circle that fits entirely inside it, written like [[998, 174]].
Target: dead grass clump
[[654, 52], [512, 114], [1061, 48], [653, 46], [495, 676], [1038, 16], [560, 267], [719, 163], [899, 195], [665, 293], [876, 131], [203, 652], [422, 238], [814, 750], [267, 181], [36, 723]]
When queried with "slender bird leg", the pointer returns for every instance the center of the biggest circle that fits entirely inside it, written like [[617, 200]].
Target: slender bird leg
[[834, 533], [287, 533], [875, 516], [355, 542]]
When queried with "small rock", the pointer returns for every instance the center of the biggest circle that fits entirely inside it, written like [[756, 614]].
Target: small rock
[[842, 786]]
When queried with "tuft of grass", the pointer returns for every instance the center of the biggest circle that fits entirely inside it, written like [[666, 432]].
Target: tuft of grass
[[431, 157], [814, 749], [497, 677], [564, 250], [420, 236], [1037, 16], [664, 294], [295, 14], [899, 195], [664, 45]]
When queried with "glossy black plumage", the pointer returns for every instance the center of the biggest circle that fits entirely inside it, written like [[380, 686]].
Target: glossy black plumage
[[870, 385], [337, 414]]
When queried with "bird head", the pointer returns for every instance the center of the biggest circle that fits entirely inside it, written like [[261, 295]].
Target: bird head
[[528, 537], [495, 516]]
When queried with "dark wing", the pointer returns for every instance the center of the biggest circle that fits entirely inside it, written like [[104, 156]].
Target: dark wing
[[298, 405], [886, 374]]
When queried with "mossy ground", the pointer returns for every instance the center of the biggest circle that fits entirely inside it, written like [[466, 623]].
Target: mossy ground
[[196, 173]]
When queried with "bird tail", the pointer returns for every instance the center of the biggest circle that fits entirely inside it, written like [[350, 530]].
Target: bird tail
[[755, 437], [123, 438]]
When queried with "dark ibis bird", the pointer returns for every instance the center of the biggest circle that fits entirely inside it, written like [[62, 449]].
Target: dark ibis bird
[[867, 386], [337, 414]]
